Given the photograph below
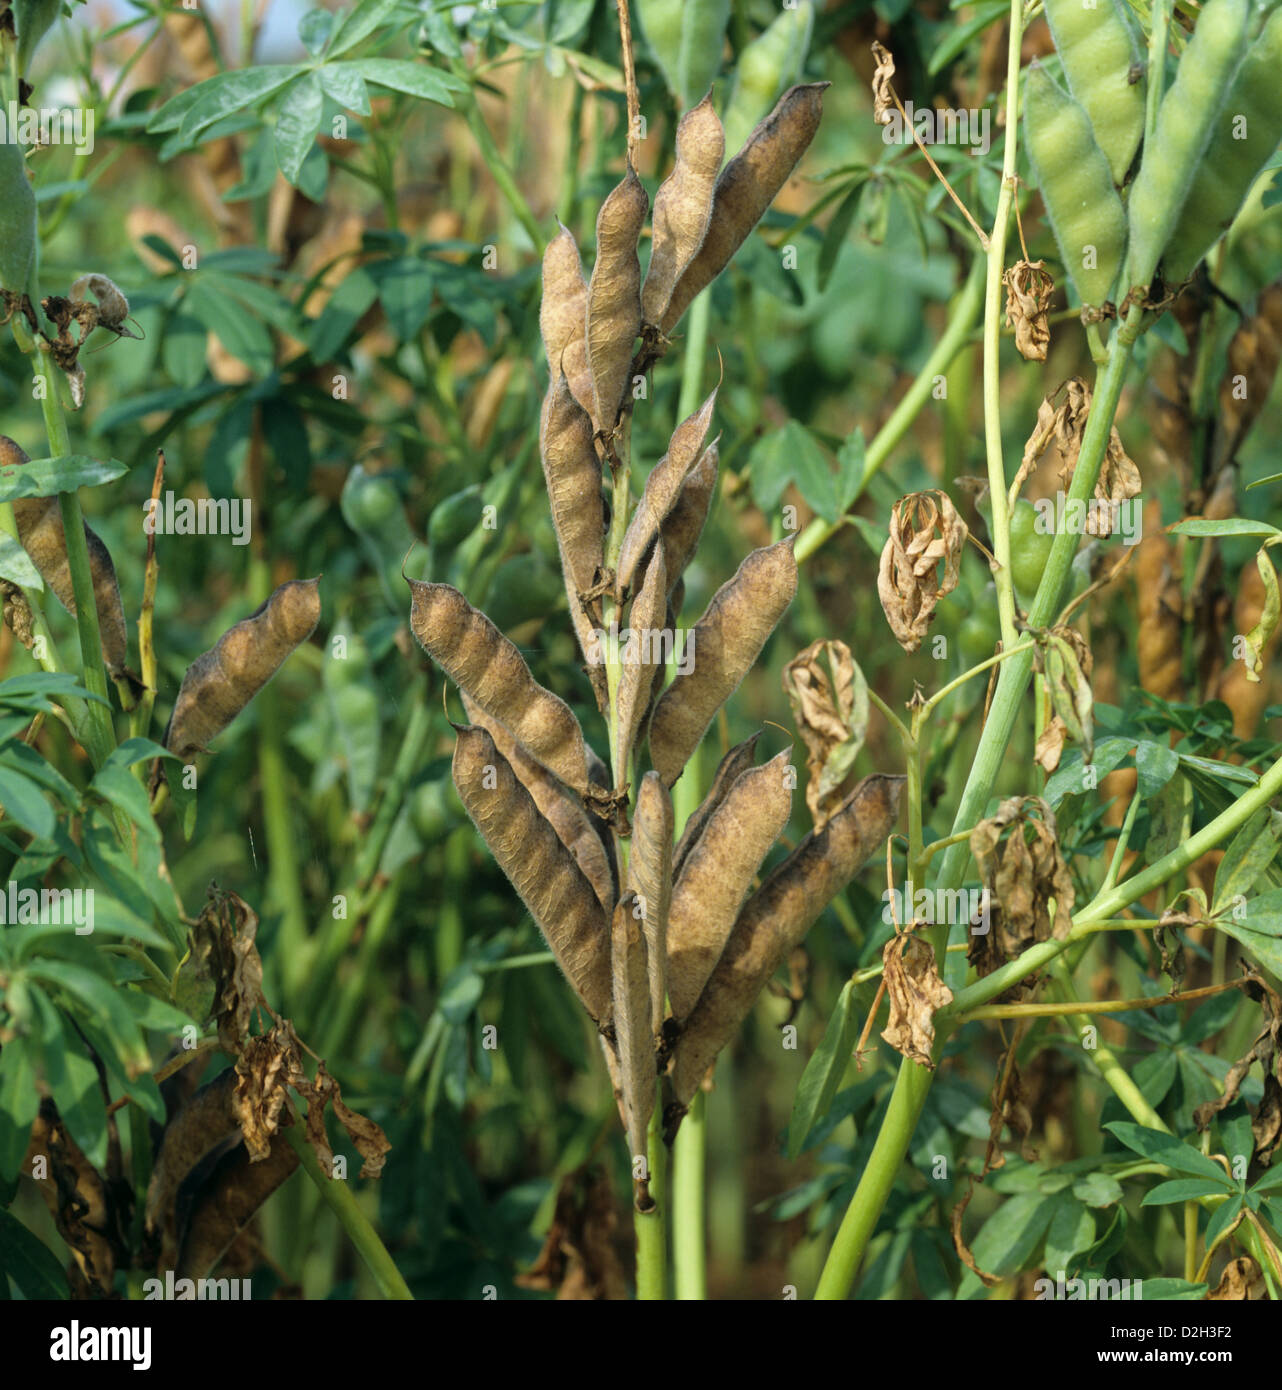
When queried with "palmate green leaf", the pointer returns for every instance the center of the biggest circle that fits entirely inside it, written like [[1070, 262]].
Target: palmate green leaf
[[1185, 1190], [118, 787], [341, 314], [1222, 1218], [225, 94], [1010, 1235], [838, 229], [1259, 928], [1098, 1190], [406, 287], [24, 802], [1250, 852], [824, 1071], [359, 23], [1167, 1149], [1071, 1232], [957, 37], [297, 122], [29, 1262], [791, 455], [1271, 1181], [19, 1102], [414, 79], [28, 763], [1173, 1291], [344, 84], [16, 565], [1229, 526], [84, 989], [1155, 765], [240, 333], [140, 877], [46, 477]]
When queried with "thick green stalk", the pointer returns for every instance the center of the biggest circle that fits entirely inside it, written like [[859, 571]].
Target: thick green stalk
[[689, 1203], [695, 348], [651, 1226], [341, 1201]]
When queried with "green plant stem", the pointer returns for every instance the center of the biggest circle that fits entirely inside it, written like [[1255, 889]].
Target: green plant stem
[[689, 1203], [651, 1226], [696, 347], [965, 311], [339, 1198]]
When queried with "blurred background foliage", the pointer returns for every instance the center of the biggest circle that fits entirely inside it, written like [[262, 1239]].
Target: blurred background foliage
[[337, 289]]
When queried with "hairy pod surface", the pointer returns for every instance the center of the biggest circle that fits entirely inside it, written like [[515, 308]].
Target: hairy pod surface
[[1244, 136], [650, 879], [480, 660], [683, 526], [18, 234], [1082, 205], [577, 829], [776, 918], [220, 683], [563, 316], [735, 763], [537, 864], [614, 297], [1098, 49], [746, 188], [727, 641], [572, 473], [644, 659], [683, 206], [717, 874], [633, 1037], [662, 488], [1185, 121]]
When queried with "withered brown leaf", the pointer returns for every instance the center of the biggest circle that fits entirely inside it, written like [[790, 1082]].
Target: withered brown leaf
[[829, 698], [916, 993], [925, 530]]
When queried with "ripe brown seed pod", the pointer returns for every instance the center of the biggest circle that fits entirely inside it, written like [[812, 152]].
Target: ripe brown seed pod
[[633, 1039], [735, 763], [613, 318], [576, 829], [572, 472], [221, 682], [646, 624], [650, 879], [563, 314], [540, 868], [41, 535], [683, 206], [477, 657], [717, 875], [662, 488], [746, 188], [776, 918], [727, 640], [683, 525]]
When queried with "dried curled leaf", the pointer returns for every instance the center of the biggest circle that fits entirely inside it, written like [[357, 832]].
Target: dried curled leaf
[[577, 829], [683, 206], [579, 1259], [633, 1035], [662, 488], [746, 187], [683, 525], [1022, 878], [1241, 1281], [717, 876], [650, 879], [222, 944], [614, 297], [1260, 637], [735, 763], [775, 919], [220, 683], [371, 1143], [831, 714], [643, 658], [479, 659], [1065, 661], [916, 993], [1266, 1123], [41, 535], [563, 316], [883, 96], [1029, 288], [923, 531], [267, 1066], [727, 641], [540, 868]]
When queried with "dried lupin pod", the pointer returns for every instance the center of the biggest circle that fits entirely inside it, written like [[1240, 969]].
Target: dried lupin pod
[[774, 920], [540, 868], [746, 188], [578, 830], [633, 1039], [563, 315], [614, 297], [727, 641], [646, 620], [221, 682], [477, 657], [650, 879], [683, 206], [735, 763], [717, 874], [662, 488], [41, 535], [683, 525]]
